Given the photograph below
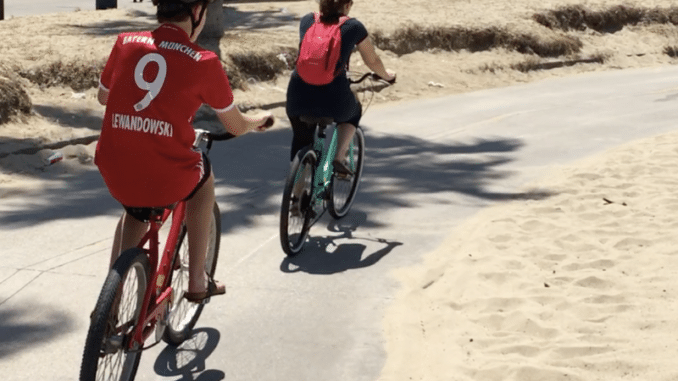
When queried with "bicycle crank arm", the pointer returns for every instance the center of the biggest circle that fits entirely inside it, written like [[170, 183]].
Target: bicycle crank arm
[[157, 314]]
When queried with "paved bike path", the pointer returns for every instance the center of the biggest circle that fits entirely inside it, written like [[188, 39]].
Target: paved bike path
[[431, 164], [19, 8]]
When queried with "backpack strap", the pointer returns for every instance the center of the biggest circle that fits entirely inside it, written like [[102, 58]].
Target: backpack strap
[[343, 19]]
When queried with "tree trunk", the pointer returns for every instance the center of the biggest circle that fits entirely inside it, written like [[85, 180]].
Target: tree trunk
[[105, 4], [2, 9], [214, 27]]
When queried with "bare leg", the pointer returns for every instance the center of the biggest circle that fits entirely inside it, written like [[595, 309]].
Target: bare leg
[[128, 233], [198, 218], [345, 134]]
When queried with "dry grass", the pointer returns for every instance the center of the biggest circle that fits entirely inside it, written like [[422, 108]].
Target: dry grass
[[671, 51], [416, 38], [14, 101], [261, 66], [579, 17], [79, 76]]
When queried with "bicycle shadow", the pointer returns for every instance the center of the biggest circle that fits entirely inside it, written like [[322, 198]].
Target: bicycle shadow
[[323, 256], [188, 359]]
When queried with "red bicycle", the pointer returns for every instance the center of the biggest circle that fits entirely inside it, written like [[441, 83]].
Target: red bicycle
[[144, 293]]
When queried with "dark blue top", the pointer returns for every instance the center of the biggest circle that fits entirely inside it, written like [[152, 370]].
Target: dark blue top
[[334, 99]]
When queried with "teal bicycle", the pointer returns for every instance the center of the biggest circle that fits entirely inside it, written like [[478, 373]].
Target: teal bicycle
[[312, 186]]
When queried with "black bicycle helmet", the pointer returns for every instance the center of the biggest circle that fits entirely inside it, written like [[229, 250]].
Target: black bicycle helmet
[[171, 8]]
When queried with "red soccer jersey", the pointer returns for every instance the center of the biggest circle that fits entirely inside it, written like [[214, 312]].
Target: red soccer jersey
[[156, 81]]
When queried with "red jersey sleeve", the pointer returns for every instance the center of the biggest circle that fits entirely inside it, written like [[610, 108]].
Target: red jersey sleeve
[[217, 91], [107, 75]]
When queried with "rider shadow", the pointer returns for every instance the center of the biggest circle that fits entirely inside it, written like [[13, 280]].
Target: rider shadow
[[188, 359], [323, 256]]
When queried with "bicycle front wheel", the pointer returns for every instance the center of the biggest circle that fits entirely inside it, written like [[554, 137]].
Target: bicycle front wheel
[[296, 209], [183, 315], [106, 355], [343, 190]]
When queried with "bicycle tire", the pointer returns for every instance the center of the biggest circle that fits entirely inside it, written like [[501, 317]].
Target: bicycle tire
[[342, 191], [105, 356], [294, 229], [183, 315]]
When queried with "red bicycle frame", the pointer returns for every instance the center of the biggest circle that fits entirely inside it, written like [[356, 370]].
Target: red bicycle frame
[[159, 293]]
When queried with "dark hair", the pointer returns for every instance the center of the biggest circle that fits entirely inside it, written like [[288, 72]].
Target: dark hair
[[175, 10], [331, 10]]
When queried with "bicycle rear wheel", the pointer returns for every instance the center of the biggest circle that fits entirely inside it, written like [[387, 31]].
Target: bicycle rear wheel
[[296, 209], [343, 191], [183, 315], [106, 356]]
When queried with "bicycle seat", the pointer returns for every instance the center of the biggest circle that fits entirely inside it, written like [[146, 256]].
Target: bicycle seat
[[314, 120], [147, 214]]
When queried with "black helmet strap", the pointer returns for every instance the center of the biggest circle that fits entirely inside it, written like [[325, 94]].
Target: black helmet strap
[[194, 22]]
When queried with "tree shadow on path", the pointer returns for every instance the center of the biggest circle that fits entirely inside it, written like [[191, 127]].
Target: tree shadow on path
[[399, 170]]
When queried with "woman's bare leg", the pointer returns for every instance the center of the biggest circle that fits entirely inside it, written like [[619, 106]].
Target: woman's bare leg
[[345, 135]]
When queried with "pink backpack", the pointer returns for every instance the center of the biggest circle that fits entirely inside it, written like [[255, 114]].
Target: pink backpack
[[319, 52]]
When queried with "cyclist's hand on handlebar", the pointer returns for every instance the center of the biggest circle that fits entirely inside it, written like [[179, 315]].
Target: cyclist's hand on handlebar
[[267, 124], [391, 78], [265, 120]]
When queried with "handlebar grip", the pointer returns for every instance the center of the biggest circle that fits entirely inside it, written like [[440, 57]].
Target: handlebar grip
[[379, 78], [221, 136], [269, 122]]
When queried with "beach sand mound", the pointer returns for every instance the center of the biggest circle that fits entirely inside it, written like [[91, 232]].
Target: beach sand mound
[[576, 286]]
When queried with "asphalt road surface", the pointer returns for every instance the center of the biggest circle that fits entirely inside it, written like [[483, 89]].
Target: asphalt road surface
[[430, 165], [18, 8]]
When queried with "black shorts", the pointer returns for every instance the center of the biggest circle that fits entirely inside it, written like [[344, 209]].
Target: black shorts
[[335, 100], [143, 214]]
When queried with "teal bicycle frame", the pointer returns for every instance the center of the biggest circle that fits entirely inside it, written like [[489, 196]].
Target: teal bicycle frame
[[324, 168]]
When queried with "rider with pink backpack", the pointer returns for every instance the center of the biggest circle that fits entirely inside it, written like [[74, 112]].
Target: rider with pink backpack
[[319, 86]]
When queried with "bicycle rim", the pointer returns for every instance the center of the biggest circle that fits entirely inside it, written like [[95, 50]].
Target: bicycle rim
[[183, 315], [343, 191], [106, 356], [294, 226]]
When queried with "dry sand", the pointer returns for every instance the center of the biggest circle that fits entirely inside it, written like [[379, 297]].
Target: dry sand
[[578, 286]]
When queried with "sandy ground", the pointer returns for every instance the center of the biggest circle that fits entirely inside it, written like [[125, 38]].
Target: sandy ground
[[574, 287], [578, 286]]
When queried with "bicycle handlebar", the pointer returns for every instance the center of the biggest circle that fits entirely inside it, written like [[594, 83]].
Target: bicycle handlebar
[[373, 76], [209, 137]]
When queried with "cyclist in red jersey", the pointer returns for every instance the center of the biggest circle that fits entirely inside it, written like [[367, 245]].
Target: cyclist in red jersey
[[152, 85]]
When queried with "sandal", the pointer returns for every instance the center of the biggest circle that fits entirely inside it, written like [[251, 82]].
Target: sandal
[[341, 169], [213, 288], [295, 207]]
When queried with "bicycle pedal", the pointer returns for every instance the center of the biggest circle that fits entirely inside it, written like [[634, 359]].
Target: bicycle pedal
[[343, 176], [323, 195], [202, 302]]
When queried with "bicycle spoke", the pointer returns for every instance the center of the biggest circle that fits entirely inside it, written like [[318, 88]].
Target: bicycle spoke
[[343, 189], [183, 314], [297, 208]]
